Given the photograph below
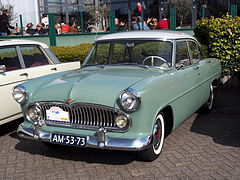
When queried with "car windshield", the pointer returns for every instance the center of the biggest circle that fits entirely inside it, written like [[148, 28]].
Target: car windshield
[[144, 53]]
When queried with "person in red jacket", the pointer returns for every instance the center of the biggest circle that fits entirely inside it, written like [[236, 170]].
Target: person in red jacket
[[163, 24], [64, 28]]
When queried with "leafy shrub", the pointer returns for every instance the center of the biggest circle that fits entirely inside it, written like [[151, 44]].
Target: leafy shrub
[[71, 53], [221, 36]]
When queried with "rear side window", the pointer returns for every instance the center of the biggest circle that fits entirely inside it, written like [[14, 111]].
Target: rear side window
[[33, 56], [9, 58], [182, 55], [195, 53]]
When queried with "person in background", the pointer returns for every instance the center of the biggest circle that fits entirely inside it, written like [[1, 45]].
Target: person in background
[[30, 30], [137, 24], [119, 26], [44, 28], [4, 23], [163, 24], [17, 31], [45, 19], [72, 28], [116, 22], [39, 30], [122, 26], [138, 10], [64, 28], [58, 28], [152, 23]]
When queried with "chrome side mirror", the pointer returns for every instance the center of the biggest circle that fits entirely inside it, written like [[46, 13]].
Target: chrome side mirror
[[2, 68]]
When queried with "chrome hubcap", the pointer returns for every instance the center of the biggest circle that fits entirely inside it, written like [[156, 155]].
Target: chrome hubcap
[[210, 99]]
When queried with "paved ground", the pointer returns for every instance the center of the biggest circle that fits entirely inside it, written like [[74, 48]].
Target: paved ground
[[206, 146]]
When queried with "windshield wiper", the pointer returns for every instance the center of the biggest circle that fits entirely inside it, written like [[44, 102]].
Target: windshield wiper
[[135, 64]]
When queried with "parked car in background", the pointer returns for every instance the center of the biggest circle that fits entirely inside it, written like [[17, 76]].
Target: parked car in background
[[22, 60], [133, 89]]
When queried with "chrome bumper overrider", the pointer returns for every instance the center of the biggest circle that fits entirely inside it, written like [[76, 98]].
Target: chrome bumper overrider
[[99, 141]]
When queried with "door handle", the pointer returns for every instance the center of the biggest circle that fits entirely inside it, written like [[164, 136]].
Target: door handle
[[54, 69], [195, 67], [24, 74]]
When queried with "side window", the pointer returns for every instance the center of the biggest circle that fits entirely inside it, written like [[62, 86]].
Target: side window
[[182, 55], [33, 56], [195, 54], [9, 58]]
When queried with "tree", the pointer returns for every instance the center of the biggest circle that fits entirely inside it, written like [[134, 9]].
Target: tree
[[183, 9], [98, 12]]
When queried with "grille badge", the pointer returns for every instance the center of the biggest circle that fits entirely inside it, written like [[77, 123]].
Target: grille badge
[[69, 101]]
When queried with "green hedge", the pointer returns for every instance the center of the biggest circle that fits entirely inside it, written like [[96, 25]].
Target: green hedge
[[221, 36], [71, 53]]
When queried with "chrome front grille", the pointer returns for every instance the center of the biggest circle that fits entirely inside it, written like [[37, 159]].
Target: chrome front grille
[[82, 115]]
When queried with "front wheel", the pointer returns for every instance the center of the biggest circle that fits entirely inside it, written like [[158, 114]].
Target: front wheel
[[207, 107], [152, 153]]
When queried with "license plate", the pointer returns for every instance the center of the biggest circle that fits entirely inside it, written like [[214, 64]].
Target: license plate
[[70, 140]]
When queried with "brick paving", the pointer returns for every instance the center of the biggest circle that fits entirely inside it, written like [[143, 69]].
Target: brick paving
[[205, 146]]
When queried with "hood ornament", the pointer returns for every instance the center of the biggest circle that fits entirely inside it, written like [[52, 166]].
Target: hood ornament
[[69, 101]]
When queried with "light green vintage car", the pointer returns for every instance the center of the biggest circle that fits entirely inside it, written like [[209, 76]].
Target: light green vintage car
[[133, 89]]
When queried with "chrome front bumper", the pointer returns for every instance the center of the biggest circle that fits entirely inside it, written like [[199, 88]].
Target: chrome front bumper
[[99, 141]]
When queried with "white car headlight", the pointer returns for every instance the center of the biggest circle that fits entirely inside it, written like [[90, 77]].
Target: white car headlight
[[19, 93], [130, 100], [33, 113]]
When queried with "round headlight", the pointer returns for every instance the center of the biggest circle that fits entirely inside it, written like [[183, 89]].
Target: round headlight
[[121, 121], [130, 100], [33, 113], [19, 93]]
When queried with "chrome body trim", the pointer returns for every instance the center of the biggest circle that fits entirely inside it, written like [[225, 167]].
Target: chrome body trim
[[99, 141], [88, 116]]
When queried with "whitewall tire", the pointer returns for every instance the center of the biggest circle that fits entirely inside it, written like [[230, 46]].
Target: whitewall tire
[[152, 152]]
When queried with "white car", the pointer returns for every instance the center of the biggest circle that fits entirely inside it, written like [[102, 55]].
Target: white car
[[22, 60]]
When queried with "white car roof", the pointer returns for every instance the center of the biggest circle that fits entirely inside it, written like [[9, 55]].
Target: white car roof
[[157, 34], [7, 42]]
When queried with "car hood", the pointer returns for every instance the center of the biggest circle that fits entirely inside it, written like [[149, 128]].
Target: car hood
[[91, 84]]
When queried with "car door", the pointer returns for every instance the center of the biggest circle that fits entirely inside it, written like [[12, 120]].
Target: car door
[[202, 67], [14, 74], [38, 63], [188, 76]]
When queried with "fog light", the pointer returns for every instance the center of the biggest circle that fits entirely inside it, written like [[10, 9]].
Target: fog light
[[121, 121], [33, 113]]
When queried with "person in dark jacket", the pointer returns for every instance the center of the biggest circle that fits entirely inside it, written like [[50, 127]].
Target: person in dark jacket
[[30, 30], [4, 23], [39, 30]]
